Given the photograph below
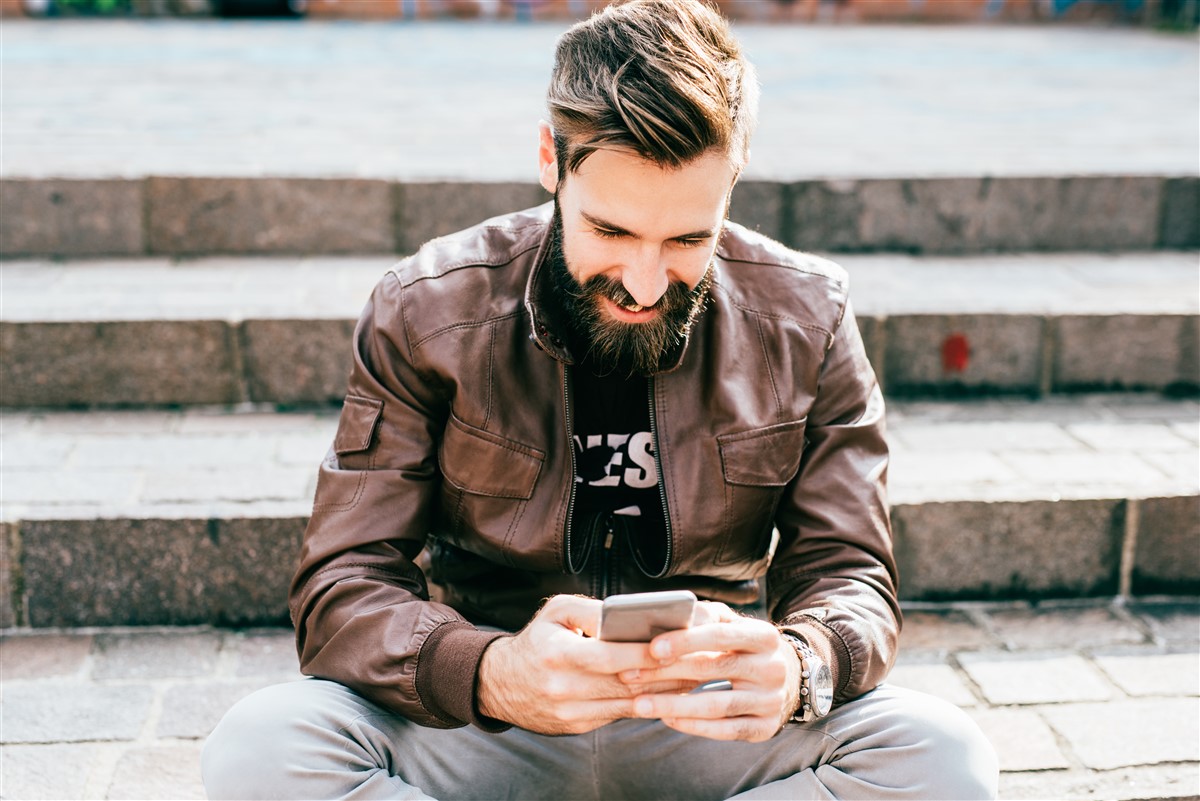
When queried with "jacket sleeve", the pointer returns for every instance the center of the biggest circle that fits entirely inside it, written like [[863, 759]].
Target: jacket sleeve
[[359, 601], [833, 579]]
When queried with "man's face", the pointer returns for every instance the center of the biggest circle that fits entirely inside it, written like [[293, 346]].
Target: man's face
[[637, 242]]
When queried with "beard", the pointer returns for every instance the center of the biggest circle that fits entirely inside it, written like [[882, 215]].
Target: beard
[[614, 346]]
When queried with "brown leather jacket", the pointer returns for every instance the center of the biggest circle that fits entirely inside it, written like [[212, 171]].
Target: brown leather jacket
[[452, 471]]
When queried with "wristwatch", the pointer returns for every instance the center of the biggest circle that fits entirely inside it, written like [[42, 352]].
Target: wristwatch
[[816, 683]]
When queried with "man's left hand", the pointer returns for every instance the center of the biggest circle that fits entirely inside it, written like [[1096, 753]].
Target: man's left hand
[[752, 654]]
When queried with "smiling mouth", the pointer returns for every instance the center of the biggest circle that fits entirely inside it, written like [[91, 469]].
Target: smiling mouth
[[633, 307]]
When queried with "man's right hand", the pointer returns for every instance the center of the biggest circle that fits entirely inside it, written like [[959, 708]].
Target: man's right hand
[[556, 677]]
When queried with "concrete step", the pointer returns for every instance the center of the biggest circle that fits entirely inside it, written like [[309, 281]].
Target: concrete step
[[189, 216], [195, 516], [1047, 685], [134, 332]]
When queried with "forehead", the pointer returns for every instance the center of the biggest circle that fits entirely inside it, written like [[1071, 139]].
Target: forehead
[[641, 196]]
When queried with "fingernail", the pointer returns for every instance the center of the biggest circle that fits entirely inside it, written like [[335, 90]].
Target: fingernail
[[642, 707], [661, 649]]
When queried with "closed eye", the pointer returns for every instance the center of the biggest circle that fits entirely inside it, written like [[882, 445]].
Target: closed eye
[[605, 233], [691, 242]]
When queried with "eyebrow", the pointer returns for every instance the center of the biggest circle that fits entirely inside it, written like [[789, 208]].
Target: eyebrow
[[601, 223]]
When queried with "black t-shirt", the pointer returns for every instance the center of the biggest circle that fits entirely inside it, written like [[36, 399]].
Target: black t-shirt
[[616, 481]]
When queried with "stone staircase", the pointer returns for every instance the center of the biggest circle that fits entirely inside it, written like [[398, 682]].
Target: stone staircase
[[164, 415]]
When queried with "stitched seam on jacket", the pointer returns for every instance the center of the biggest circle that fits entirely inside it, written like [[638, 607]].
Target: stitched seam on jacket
[[468, 324], [770, 372]]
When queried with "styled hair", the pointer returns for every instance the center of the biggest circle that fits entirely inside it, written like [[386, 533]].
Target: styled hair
[[663, 79]]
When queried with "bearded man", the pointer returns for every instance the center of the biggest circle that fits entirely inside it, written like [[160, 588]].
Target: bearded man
[[617, 392]]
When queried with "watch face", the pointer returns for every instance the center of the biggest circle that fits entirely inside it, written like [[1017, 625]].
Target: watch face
[[822, 690]]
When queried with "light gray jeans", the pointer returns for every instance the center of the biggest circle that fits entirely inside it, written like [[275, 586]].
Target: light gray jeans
[[318, 739]]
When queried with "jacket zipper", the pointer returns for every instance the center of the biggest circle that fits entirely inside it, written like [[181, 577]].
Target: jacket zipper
[[662, 487], [602, 574], [574, 470]]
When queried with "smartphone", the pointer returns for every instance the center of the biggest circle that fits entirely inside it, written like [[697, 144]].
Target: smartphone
[[642, 616]]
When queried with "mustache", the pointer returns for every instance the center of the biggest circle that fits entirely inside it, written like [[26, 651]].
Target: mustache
[[677, 296]]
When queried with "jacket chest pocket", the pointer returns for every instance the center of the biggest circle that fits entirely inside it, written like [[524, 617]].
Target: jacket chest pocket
[[488, 483], [757, 465]]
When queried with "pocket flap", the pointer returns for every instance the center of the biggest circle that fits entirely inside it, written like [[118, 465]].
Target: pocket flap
[[481, 463], [356, 426], [763, 457]]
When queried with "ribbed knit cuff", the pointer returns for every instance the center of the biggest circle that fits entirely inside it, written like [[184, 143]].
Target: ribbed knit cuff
[[447, 667]]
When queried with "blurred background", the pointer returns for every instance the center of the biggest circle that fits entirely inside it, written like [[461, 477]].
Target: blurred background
[[1146, 12]]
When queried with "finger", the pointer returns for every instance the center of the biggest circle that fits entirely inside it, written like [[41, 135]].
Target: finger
[[749, 729], [610, 658], [744, 634], [707, 706], [703, 666]]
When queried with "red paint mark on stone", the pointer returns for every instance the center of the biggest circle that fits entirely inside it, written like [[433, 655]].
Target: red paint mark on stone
[[956, 353]]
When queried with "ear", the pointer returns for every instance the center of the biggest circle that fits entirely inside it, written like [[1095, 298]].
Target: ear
[[547, 163]]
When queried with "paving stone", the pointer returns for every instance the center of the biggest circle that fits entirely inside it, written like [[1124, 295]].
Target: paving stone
[[194, 710], [1144, 352], [1171, 621], [1096, 469], [267, 482], [997, 550], [70, 217], [1051, 627], [9, 598], [226, 420], [155, 655], [270, 215], [429, 210], [177, 451], [40, 772], [298, 361], [1181, 213], [1022, 740], [46, 712], [158, 772], [1131, 437], [1120, 734], [1189, 431], [39, 656], [1182, 467], [27, 449], [942, 631], [1167, 557], [759, 205], [148, 572], [997, 436], [1124, 784], [825, 216], [1034, 678], [267, 654], [971, 214], [1142, 674], [71, 487], [940, 353], [113, 363], [935, 679]]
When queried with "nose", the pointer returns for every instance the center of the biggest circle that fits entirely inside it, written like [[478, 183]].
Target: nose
[[645, 276]]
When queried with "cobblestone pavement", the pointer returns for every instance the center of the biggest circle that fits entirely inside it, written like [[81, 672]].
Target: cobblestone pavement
[[461, 100], [1088, 700], [210, 461]]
